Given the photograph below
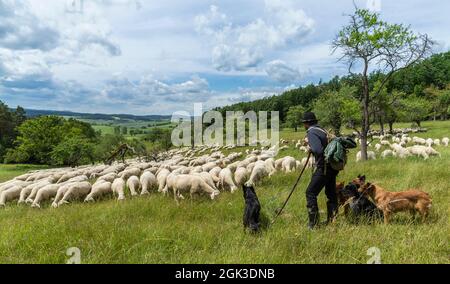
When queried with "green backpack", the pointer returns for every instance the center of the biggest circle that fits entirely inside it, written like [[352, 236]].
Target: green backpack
[[336, 152]]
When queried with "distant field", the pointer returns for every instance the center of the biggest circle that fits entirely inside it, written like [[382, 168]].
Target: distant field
[[155, 230], [107, 126]]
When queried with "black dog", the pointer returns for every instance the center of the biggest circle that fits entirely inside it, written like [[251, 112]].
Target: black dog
[[360, 206], [252, 210]]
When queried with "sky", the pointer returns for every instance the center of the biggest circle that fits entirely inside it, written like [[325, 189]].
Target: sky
[[159, 57]]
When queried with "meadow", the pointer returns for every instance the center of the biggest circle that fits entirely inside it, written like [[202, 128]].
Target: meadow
[[154, 230]]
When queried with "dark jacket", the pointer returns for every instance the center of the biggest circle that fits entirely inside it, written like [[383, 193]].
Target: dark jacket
[[318, 141]]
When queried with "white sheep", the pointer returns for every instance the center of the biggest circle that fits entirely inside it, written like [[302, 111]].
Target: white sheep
[[118, 188], [161, 178], [370, 156], [289, 164], [387, 153], [445, 141], [378, 147], [209, 179], [189, 184], [77, 190], [270, 165], [419, 151], [226, 180], [259, 172], [127, 173], [429, 142], [148, 181], [98, 190], [133, 185], [10, 194], [241, 176], [437, 142]]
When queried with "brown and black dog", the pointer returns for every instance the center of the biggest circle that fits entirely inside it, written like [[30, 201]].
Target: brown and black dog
[[392, 202]]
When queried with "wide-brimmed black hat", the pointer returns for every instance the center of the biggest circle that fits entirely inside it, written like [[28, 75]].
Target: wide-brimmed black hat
[[309, 117]]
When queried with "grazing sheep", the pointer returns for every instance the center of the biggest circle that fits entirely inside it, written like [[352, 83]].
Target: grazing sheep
[[161, 178], [370, 156], [208, 178], [189, 183], [420, 141], [133, 185], [423, 151], [241, 176], [226, 180], [126, 174], [270, 165], [99, 190], [385, 143], [311, 162], [46, 193], [10, 194], [216, 171], [429, 142], [437, 142], [68, 176], [445, 141], [77, 190], [378, 147], [387, 153], [289, 164], [35, 189], [259, 172], [108, 177], [118, 188], [148, 181]]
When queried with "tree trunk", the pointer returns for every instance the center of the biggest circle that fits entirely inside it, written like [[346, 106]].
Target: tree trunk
[[381, 125], [391, 127], [366, 116]]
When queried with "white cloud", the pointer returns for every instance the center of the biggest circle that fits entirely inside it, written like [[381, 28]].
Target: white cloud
[[242, 47], [279, 71]]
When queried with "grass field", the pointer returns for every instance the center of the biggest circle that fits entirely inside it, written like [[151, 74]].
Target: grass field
[[155, 230]]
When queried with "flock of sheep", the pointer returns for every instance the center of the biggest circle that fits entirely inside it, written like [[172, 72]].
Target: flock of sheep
[[402, 146], [204, 171], [180, 172]]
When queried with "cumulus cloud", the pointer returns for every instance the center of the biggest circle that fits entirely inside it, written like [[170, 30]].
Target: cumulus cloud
[[279, 71], [242, 47]]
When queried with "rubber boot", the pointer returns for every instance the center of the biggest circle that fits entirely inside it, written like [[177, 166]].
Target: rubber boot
[[332, 211], [313, 215]]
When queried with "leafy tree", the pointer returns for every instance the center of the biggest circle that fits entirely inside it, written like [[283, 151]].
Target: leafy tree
[[161, 137], [124, 130], [369, 42], [73, 152], [415, 109], [294, 116]]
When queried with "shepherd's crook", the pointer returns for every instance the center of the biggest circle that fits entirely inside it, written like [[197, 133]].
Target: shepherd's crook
[[292, 191]]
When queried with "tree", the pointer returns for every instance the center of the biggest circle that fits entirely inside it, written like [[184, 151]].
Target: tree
[[124, 130], [416, 109], [52, 139], [73, 152], [294, 117], [372, 43]]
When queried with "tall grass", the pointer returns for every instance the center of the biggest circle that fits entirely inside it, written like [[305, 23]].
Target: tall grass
[[154, 230]]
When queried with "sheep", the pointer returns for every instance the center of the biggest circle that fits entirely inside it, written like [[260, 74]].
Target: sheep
[[127, 173], [370, 156], [208, 178], [226, 180], [385, 143], [270, 165], [259, 172], [34, 190], [99, 190], [13, 183], [419, 151], [190, 183], [429, 142], [10, 194], [76, 190], [133, 185], [108, 177], [387, 153], [437, 142], [161, 178], [216, 171], [45, 193], [68, 176], [241, 176], [378, 147], [445, 141], [148, 181], [118, 188], [419, 141], [310, 164], [289, 164]]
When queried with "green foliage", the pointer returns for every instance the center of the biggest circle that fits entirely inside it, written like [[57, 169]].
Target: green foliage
[[9, 121], [294, 116], [160, 137], [415, 109], [39, 141], [73, 152]]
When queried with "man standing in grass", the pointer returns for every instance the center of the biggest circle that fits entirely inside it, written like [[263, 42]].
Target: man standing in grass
[[324, 175]]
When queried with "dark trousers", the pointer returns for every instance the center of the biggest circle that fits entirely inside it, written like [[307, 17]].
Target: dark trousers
[[322, 177]]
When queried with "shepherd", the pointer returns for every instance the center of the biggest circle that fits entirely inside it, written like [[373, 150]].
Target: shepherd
[[324, 175]]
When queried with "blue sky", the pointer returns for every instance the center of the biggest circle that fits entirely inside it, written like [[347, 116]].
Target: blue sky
[[159, 57]]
